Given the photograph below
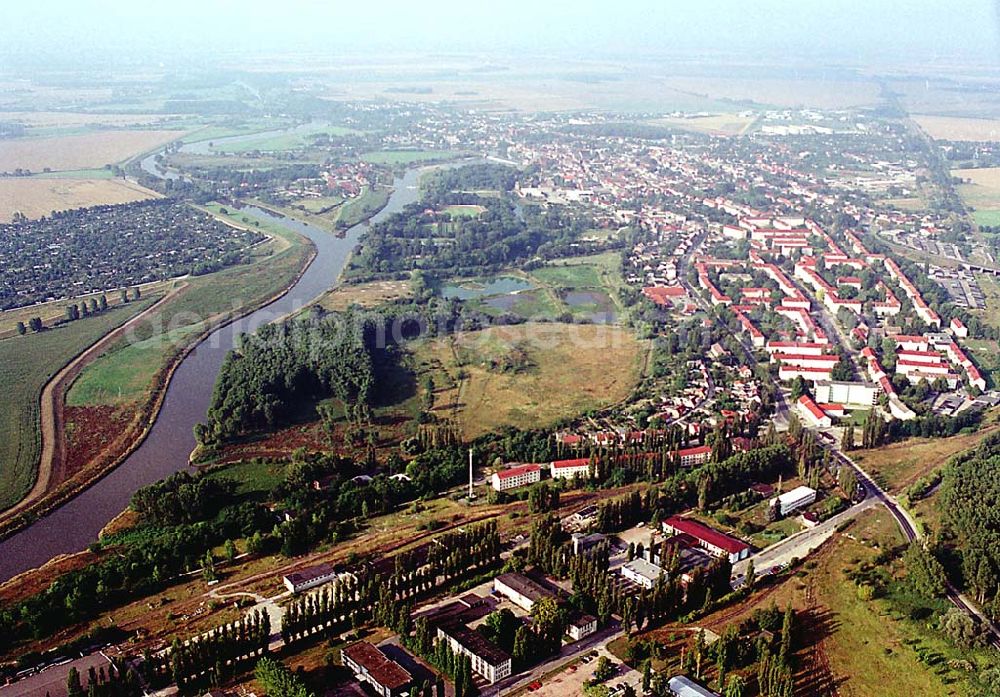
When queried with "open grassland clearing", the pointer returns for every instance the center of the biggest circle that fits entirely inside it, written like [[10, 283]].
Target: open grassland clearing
[[713, 124], [986, 355], [39, 197], [296, 139], [991, 290], [983, 191], [528, 375], [79, 151], [959, 128], [365, 295], [26, 364], [907, 204], [336, 213], [464, 210], [897, 465]]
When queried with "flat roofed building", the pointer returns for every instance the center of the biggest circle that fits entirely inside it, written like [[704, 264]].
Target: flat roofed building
[[371, 665], [489, 661], [310, 577], [850, 393], [681, 686], [582, 543], [796, 498], [581, 627], [641, 572], [520, 590]]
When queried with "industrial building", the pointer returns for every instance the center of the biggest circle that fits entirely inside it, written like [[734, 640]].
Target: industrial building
[[798, 497]]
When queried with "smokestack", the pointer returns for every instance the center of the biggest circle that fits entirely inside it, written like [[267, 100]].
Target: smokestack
[[471, 494]]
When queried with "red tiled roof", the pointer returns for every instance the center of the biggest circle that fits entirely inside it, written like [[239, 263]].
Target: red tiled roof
[[567, 464], [515, 471], [706, 534], [383, 669], [808, 403]]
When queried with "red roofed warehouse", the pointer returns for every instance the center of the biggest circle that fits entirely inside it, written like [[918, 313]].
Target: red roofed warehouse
[[717, 543]]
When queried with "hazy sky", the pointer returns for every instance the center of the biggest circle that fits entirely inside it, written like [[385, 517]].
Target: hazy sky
[[855, 31]]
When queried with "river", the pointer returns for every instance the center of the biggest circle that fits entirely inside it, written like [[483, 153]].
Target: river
[[76, 524]]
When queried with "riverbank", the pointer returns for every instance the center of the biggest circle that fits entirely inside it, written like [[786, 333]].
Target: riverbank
[[50, 492]]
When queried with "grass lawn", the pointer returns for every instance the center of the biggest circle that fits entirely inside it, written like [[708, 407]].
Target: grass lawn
[[98, 173], [986, 217], [598, 275], [563, 370], [986, 354], [569, 276], [356, 210], [122, 376], [405, 157], [991, 290], [26, 364], [463, 211], [254, 479], [898, 465]]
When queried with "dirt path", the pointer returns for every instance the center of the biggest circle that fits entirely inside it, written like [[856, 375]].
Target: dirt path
[[51, 414]]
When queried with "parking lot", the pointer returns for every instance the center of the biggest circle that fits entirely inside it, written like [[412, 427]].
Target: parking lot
[[570, 681]]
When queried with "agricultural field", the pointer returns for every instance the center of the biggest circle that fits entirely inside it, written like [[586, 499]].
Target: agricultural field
[[959, 128], [982, 193], [53, 312], [897, 465], [714, 124], [528, 375], [26, 365], [73, 152], [70, 119], [820, 94], [365, 295], [37, 197]]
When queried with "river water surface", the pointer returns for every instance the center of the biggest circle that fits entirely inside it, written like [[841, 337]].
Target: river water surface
[[76, 524]]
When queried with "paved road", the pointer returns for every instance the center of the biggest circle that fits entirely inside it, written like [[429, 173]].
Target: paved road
[[52, 681], [568, 653], [912, 532], [801, 544]]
